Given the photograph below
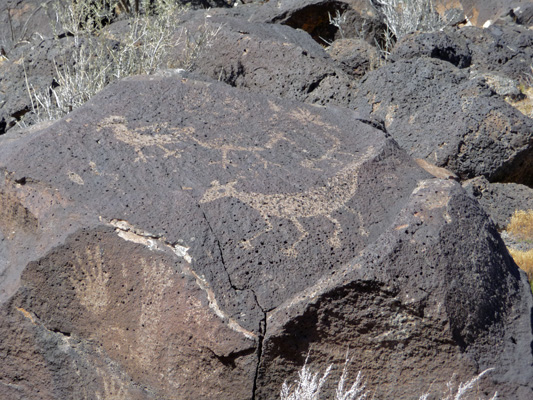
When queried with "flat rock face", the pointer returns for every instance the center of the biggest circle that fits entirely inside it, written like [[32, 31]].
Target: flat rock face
[[270, 58], [438, 45], [164, 192], [406, 303], [500, 200], [436, 112], [175, 238]]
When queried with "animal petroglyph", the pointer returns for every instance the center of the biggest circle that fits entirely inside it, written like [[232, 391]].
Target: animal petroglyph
[[219, 144], [89, 280], [139, 141], [316, 202], [140, 138], [305, 117]]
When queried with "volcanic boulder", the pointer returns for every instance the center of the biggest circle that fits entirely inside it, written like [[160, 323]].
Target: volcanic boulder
[[270, 58], [436, 112], [175, 238]]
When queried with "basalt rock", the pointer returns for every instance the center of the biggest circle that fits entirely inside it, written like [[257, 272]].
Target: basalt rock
[[311, 16], [436, 112], [480, 12], [21, 20], [355, 56], [175, 238], [504, 49], [438, 45], [273, 59], [500, 200], [32, 68]]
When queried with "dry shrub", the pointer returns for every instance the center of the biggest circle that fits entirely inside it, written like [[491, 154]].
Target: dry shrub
[[521, 225], [98, 58], [309, 384], [524, 259]]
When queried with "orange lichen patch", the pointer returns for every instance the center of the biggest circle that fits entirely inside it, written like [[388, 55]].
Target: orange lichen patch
[[26, 314], [443, 6], [19, 12]]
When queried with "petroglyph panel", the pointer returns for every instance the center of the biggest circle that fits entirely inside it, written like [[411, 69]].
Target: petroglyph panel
[[321, 201], [156, 279], [14, 216], [89, 278]]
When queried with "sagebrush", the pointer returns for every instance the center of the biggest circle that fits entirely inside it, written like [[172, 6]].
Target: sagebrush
[[309, 385], [100, 56], [406, 16], [402, 17]]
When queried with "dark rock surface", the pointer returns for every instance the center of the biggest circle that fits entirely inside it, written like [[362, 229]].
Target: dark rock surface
[[436, 112], [524, 15], [274, 59], [407, 294], [310, 16], [360, 22], [21, 20], [172, 236], [481, 11], [355, 56], [507, 49], [500, 200], [30, 67], [437, 45]]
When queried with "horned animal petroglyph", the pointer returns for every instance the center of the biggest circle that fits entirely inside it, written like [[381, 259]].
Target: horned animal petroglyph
[[225, 148], [139, 141], [316, 202]]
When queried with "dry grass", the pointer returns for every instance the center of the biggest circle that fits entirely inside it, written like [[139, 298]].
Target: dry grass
[[521, 228], [521, 225], [98, 58], [525, 105], [406, 16], [524, 259], [308, 386]]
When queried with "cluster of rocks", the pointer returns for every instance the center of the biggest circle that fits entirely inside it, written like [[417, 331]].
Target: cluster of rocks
[[196, 235]]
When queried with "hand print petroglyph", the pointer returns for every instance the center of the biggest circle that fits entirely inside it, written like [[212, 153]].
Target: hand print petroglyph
[[89, 280], [139, 141], [316, 202], [113, 388], [156, 278]]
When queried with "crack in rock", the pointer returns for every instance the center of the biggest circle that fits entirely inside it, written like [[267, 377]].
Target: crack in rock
[[130, 233]]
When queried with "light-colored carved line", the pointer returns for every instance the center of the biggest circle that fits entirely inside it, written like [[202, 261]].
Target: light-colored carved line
[[139, 141], [128, 232], [91, 285], [315, 202]]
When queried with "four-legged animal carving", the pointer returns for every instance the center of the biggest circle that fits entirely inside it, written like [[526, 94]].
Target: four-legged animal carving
[[315, 202]]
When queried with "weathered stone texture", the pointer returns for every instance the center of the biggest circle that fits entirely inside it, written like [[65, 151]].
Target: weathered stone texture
[[177, 238]]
